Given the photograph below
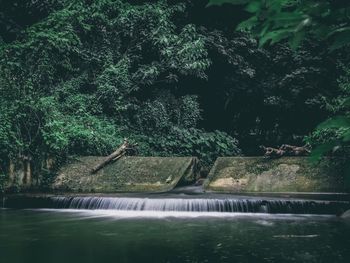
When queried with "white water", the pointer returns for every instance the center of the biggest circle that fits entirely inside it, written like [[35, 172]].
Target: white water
[[202, 205], [124, 214]]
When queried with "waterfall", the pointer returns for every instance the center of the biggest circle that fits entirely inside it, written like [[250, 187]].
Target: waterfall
[[228, 205], [204, 203]]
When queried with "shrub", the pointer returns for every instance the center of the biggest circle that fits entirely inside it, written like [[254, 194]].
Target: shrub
[[189, 142]]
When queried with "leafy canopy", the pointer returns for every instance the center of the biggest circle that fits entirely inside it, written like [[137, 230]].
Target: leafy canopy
[[294, 20], [83, 76], [273, 21]]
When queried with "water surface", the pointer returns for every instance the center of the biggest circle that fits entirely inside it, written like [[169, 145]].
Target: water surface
[[65, 235]]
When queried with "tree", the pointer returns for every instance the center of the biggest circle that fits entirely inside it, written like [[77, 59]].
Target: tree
[[77, 77], [293, 20], [273, 21]]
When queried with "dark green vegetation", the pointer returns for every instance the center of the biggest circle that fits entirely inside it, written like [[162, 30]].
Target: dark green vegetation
[[76, 77], [297, 22]]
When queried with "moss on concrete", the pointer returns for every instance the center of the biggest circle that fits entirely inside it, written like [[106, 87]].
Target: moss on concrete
[[289, 174], [129, 174]]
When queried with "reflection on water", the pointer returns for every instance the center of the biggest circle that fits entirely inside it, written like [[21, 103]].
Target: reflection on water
[[139, 236]]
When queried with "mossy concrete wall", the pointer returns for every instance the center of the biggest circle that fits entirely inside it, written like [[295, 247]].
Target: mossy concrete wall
[[23, 174], [288, 174], [128, 174]]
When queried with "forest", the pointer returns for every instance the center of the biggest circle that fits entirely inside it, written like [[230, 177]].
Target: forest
[[175, 131], [179, 78]]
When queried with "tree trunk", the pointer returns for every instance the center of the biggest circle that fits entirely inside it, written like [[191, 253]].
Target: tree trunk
[[114, 156]]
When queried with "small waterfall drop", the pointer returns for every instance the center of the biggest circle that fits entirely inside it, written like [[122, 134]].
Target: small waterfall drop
[[169, 203], [227, 205]]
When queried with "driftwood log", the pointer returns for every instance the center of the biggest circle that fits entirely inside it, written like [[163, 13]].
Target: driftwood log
[[286, 150], [124, 149], [272, 152], [296, 150]]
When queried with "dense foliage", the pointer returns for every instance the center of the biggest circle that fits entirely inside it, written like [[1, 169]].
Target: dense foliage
[[333, 135], [76, 77], [92, 72], [273, 21]]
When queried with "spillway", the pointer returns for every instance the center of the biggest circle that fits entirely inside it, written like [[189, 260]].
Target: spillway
[[188, 204]]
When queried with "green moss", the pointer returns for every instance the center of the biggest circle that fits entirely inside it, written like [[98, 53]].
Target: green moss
[[289, 174], [129, 174]]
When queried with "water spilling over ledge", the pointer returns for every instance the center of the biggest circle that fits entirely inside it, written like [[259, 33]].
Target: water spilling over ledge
[[208, 204]]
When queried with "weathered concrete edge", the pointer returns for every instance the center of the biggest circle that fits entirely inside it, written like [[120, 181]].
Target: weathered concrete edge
[[212, 176], [187, 170], [159, 188]]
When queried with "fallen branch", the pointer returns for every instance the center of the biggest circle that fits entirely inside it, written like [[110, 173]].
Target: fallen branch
[[272, 152], [286, 150], [296, 150], [122, 150]]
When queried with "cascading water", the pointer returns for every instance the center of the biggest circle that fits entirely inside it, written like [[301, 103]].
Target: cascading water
[[227, 204]]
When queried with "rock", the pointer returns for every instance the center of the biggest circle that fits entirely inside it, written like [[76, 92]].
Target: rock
[[168, 180]]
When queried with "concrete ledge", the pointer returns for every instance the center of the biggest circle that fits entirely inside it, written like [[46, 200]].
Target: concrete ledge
[[129, 174], [258, 174]]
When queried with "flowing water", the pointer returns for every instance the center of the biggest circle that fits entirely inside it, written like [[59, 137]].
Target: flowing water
[[182, 203], [173, 229]]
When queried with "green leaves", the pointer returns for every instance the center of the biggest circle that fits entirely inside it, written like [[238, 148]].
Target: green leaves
[[89, 69], [336, 122], [254, 6], [333, 135], [275, 20], [321, 150], [248, 24], [274, 36], [185, 52], [194, 142], [341, 38], [234, 2]]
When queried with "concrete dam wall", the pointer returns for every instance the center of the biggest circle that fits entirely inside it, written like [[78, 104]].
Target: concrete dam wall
[[288, 174], [128, 174], [161, 174]]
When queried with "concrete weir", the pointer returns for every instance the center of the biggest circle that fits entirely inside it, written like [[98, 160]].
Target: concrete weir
[[128, 174], [288, 174]]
